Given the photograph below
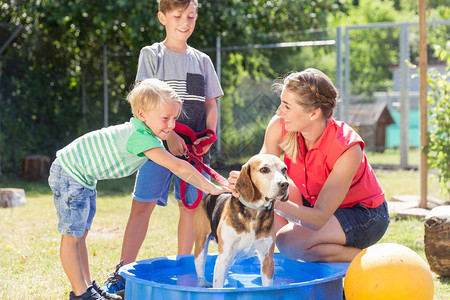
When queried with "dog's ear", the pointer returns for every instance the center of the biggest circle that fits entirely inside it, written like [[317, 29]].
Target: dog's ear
[[244, 184]]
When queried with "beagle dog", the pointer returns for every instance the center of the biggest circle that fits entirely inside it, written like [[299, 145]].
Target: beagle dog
[[242, 226]]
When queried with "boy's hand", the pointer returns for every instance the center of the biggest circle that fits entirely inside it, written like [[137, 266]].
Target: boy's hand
[[205, 148], [176, 144], [234, 175], [219, 190]]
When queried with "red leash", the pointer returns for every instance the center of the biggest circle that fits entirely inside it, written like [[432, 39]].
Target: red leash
[[199, 164]]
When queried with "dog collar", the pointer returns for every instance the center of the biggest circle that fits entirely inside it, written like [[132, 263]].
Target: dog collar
[[253, 206]]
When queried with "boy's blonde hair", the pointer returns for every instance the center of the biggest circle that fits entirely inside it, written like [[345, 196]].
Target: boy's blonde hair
[[149, 94], [169, 5], [313, 90]]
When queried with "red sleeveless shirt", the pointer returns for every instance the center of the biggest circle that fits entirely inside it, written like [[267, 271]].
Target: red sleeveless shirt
[[312, 167]]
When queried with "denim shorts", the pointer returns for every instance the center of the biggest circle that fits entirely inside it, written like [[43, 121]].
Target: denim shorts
[[153, 184], [362, 226], [75, 204]]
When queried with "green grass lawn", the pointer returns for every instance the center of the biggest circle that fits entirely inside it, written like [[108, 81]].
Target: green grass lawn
[[30, 267], [392, 157]]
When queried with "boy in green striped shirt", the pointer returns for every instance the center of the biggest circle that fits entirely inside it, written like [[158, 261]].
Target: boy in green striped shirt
[[113, 152]]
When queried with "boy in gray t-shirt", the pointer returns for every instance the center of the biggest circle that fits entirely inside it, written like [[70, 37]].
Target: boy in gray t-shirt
[[191, 74]]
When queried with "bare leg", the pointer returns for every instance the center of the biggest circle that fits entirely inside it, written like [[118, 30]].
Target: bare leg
[[82, 248], [73, 263], [136, 229], [279, 222], [185, 230], [326, 244]]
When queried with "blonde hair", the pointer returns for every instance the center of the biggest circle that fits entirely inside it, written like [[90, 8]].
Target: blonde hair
[[314, 90], [150, 94]]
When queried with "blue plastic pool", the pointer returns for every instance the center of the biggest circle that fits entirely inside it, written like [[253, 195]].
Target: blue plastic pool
[[174, 277]]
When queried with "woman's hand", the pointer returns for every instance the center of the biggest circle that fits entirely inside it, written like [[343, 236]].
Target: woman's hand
[[232, 179]]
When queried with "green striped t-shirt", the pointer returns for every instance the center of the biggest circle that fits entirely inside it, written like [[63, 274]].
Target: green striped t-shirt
[[111, 152]]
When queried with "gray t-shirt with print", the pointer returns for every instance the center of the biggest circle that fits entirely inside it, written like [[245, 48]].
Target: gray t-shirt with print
[[190, 74]]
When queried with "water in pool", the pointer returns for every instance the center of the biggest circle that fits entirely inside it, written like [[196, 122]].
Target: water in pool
[[182, 273]]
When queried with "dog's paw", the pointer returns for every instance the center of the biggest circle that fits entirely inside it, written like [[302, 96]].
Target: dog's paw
[[203, 283]]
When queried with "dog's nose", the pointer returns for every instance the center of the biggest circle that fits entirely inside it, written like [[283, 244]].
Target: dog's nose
[[283, 184]]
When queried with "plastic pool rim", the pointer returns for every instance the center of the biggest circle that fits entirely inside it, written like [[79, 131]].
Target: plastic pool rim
[[127, 275]]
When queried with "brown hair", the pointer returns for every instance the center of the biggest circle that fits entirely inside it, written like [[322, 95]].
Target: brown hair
[[314, 90], [169, 5]]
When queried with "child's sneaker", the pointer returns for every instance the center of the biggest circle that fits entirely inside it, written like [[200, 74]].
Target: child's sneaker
[[115, 284], [105, 294], [90, 294]]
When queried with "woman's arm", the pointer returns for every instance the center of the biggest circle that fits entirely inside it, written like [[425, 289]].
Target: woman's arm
[[332, 194], [184, 170], [272, 138]]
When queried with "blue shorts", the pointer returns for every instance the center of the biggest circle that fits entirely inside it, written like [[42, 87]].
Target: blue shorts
[[362, 226], [153, 184], [75, 204]]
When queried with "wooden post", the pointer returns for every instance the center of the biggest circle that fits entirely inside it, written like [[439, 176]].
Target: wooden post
[[404, 100], [423, 104]]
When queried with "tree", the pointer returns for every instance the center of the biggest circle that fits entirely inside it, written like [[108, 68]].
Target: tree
[[438, 147], [42, 72], [374, 51]]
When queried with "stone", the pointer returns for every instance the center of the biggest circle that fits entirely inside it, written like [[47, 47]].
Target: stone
[[10, 197], [437, 239]]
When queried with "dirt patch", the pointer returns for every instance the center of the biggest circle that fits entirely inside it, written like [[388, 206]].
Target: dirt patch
[[105, 232]]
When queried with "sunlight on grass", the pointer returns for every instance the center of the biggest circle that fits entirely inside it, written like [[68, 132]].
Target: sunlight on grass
[[30, 267], [410, 233], [404, 182], [392, 157], [411, 238]]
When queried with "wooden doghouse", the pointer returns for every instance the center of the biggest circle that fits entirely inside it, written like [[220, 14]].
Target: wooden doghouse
[[370, 121]]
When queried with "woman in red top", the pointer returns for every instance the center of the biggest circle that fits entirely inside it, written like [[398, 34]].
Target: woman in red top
[[334, 193]]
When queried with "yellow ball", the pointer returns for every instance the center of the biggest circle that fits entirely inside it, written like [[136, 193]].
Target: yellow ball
[[388, 271]]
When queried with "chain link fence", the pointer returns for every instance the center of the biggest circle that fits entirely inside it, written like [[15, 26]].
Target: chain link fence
[[248, 103]]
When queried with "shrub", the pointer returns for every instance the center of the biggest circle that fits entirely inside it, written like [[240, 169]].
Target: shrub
[[438, 148]]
